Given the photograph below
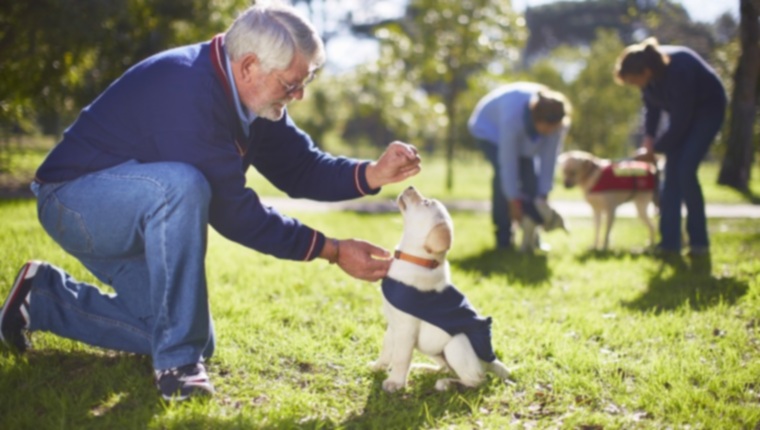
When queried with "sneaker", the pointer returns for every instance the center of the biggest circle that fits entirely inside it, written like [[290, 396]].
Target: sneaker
[[180, 383], [14, 316]]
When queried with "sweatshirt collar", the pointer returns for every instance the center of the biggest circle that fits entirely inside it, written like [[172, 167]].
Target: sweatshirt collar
[[223, 69]]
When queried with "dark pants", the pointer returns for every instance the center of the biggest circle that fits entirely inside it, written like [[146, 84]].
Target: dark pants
[[682, 185], [499, 204]]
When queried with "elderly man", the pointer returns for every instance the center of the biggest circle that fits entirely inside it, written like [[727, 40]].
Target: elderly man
[[161, 154]]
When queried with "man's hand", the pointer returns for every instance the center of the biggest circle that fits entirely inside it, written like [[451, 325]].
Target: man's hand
[[515, 210], [644, 154], [358, 258], [399, 161]]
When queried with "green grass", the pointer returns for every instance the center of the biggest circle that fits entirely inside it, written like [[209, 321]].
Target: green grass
[[598, 340]]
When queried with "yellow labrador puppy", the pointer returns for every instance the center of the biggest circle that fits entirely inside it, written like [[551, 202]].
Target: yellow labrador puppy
[[424, 310], [607, 185]]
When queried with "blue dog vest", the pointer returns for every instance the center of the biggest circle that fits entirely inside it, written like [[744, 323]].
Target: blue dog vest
[[449, 310]]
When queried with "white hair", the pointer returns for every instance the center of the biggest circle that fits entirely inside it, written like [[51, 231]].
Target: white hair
[[274, 32]]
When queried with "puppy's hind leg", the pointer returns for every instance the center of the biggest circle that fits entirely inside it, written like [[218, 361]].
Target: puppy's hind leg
[[528, 234], [462, 359]]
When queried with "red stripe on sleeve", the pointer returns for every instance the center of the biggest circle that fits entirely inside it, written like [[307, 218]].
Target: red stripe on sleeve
[[357, 183], [313, 245]]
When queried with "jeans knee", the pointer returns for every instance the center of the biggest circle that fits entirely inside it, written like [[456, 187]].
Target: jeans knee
[[189, 184]]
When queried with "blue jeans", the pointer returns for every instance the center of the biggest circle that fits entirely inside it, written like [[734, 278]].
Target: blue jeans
[[681, 184], [142, 229], [499, 205]]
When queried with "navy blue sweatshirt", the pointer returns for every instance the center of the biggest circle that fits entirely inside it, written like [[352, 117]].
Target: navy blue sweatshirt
[[449, 310], [177, 106], [688, 85]]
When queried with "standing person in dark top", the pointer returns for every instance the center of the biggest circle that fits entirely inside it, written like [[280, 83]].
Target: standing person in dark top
[[676, 80], [160, 155]]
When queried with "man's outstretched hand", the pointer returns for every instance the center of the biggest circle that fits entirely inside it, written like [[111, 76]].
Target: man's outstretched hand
[[363, 260], [399, 161]]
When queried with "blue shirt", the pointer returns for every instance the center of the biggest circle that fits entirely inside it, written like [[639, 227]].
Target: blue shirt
[[179, 105], [449, 310], [499, 118]]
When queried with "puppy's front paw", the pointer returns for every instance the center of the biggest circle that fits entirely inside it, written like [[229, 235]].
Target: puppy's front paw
[[392, 386]]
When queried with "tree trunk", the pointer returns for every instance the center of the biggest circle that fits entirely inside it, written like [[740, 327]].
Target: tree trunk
[[737, 162], [450, 138]]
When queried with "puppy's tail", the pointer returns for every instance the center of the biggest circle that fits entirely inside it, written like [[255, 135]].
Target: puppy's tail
[[500, 370]]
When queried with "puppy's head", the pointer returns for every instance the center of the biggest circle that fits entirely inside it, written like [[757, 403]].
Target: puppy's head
[[576, 167], [428, 229], [552, 219]]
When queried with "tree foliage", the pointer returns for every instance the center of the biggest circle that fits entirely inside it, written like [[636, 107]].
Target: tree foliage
[[440, 43], [65, 52]]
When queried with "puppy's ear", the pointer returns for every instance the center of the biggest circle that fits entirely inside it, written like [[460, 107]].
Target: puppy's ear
[[439, 239], [587, 166]]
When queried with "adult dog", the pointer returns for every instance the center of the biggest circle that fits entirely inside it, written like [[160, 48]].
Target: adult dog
[[606, 185], [424, 310]]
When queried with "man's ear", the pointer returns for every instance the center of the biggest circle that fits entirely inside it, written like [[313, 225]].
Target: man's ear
[[249, 66], [439, 239]]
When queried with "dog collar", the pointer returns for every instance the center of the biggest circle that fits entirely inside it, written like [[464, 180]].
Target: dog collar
[[424, 262]]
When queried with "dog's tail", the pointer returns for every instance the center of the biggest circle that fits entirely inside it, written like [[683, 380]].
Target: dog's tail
[[499, 369]]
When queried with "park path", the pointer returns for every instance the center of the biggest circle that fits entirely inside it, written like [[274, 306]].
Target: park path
[[568, 208]]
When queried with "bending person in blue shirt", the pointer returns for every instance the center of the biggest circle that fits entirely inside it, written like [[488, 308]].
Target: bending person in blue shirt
[[521, 128], [160, 155], [677, 80]]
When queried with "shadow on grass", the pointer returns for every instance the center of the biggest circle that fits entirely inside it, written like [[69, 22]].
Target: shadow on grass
[[611, 255], [529, 269], [419, 406], [687, 281], [77, 390]]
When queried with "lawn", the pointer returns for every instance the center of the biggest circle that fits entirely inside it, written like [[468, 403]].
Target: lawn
[[606, 340]]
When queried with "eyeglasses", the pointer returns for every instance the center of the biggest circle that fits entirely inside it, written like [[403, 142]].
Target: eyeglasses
[[291, 89]]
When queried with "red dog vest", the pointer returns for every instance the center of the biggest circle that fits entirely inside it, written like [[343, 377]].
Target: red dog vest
[[625, 175]]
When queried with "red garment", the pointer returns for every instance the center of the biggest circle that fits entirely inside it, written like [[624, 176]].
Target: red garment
[[625, 175]]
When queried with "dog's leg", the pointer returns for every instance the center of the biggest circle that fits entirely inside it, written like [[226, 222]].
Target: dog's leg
[[608, 227], [528, 234], [384, 360], [642, 204], [401, 358], [464, 362], [597, 227]]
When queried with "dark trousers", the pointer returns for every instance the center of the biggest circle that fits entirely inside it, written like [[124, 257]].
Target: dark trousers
[[499, 204], [681, 184]]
